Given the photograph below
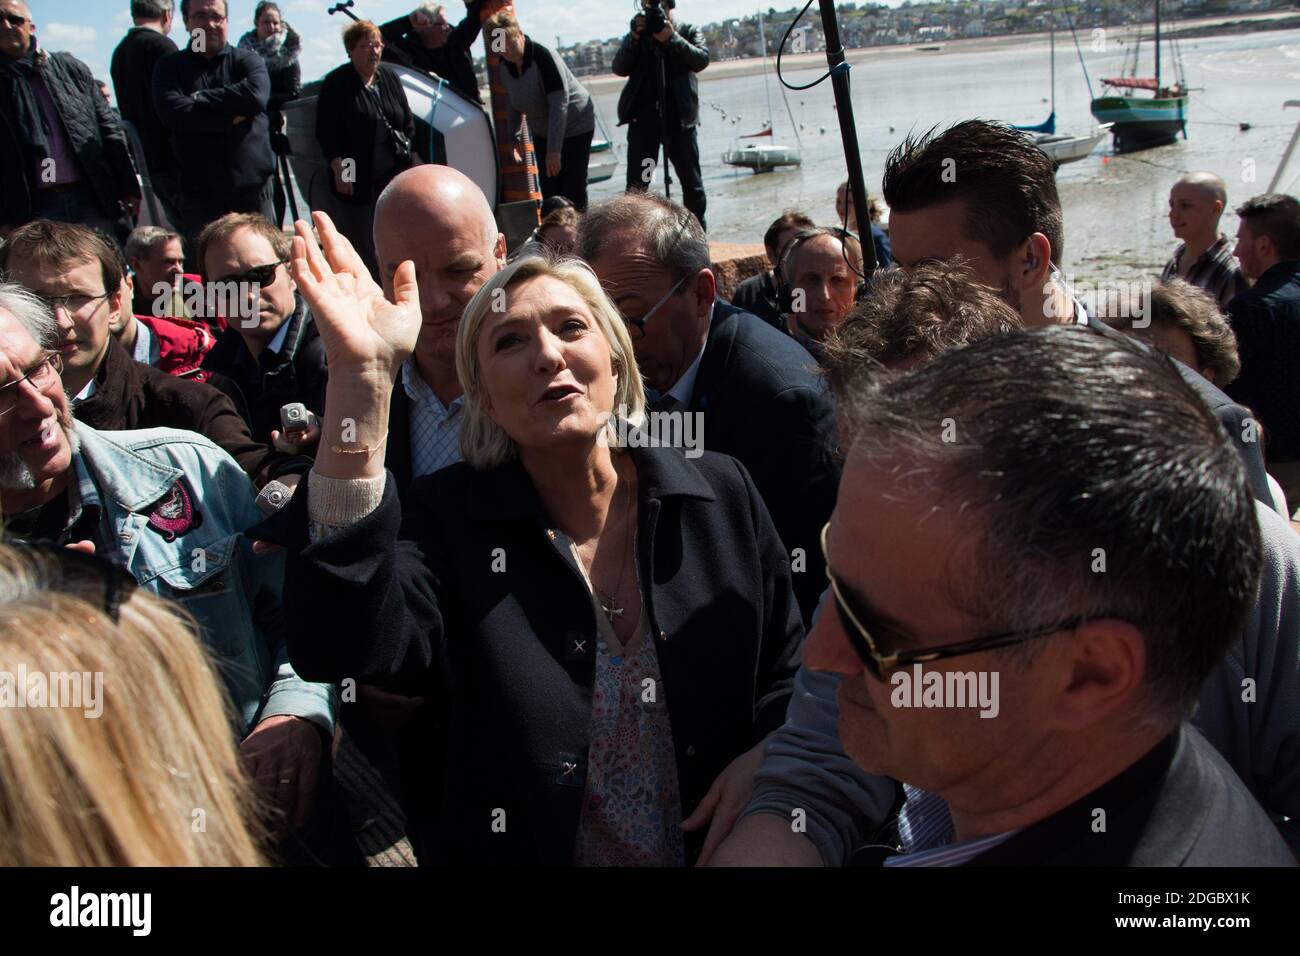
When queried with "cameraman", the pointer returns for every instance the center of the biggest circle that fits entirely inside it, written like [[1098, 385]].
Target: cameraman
[[657, 47]]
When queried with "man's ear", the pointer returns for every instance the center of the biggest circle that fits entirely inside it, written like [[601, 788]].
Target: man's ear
[[1032, 262], [499, 250], [1105, 667], [706, 290]]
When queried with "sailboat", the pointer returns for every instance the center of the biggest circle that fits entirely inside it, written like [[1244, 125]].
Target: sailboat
[[1142, 122], [765, 157], [1063, 147]]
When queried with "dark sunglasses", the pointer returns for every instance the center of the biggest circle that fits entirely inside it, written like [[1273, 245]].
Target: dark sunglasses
[[262, 275], [13, 19], [877, 663], [89, 577]]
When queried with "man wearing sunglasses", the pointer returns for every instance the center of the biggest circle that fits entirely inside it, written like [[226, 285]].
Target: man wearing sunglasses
[[169, 507], [757, 390], [274, 355], [79, 275], [1088, 536], [63, 154]]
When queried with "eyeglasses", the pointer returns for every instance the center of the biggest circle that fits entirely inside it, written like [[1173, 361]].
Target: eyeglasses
[[13, 19], [262, 275], [90, 577], [41, 376], [636, 327], [877, 663], [72, 304]]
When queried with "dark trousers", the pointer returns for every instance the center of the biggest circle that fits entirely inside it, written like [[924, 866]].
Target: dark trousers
[[198, 211], [74, 204], [643, 140], [571, 183]]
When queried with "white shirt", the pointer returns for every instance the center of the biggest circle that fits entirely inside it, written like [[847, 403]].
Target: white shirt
[[435, 428]]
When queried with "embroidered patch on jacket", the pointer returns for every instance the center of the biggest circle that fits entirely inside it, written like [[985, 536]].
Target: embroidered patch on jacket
[[174, 514]]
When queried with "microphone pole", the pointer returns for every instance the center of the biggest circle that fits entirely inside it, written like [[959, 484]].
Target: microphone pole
[[839, 70]]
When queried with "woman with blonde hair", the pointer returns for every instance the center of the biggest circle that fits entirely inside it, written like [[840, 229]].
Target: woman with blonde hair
[[116, 743], [603, 621]]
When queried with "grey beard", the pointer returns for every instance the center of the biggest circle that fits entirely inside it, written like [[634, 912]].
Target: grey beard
[[14, 473]]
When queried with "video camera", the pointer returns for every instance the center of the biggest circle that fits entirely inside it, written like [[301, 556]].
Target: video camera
[[655, 18]]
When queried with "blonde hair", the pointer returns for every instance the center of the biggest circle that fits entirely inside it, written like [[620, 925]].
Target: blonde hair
[[484, 443], [154, 779], [503, 20]]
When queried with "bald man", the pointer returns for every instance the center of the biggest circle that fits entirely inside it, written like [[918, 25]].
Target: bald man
[[437, 217], [1205, 256]]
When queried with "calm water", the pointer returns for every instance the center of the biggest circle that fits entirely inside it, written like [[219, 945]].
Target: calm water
[[1114, 206]]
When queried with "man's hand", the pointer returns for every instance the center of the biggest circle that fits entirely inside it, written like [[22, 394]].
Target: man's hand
[[725, 800], [297, 442], [238, 119], [638, 25], [516, 155], [132, 205], [85, 547], [283, 757], [765, 839], [666, 34], [552, 164]]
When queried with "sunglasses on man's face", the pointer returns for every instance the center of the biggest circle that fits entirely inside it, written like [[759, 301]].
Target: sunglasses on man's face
[[262, 275], [13, 19], [876, 663]]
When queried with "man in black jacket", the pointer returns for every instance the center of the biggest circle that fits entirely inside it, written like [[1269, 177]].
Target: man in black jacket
[[758, 295], [276, 357], [1023, 627], [79, 275], [986, 193], [213, 98], [1266, 318], [132, 69], [63, 154], [425, 39], [672, 55], [756, 391]]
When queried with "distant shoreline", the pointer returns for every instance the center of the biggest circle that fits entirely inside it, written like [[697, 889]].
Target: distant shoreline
[[1187, 29]]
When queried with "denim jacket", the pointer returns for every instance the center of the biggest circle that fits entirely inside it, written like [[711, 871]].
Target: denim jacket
[[174, 507]]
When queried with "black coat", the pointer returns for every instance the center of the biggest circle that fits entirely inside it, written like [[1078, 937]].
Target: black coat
[[757, 295], [132, 395], [684, 55], [94, 135], [132, 71], [297, 373], [410, 601], [346, 121], [1180, 805], [1231, 415], [198, 100], [453, 61], [765, 403], [1266, 318]]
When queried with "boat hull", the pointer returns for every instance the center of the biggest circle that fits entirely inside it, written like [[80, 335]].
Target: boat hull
[[1141, 123], [762, 159]]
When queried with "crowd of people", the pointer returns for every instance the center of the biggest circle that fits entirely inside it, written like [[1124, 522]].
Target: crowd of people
[[958, 567]]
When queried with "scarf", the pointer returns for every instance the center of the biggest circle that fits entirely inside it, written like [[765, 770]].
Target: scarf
[[17, 76], [279, 51]]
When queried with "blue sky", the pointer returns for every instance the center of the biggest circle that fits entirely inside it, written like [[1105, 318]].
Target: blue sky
[[90, 29]]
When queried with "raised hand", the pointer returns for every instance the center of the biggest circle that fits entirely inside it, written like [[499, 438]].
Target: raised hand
[[361, 330]]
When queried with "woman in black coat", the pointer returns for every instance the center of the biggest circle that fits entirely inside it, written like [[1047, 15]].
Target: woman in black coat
[[279, 46], [366, 131], [606, 630]]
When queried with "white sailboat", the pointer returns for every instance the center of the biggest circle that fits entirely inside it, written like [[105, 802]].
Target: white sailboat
[[765, 157], [1063, 147]]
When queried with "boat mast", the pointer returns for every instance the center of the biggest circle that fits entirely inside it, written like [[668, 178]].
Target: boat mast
[[1053, 67], [1157, 47], [762, 42]]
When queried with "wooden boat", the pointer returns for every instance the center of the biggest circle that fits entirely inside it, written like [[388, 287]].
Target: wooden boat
[[1143, 122]]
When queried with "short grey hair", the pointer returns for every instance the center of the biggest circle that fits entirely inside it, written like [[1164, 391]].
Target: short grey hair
[[484, 443], [429, 9], [670, 234], [151, 9], [31, 312], [145, 239]]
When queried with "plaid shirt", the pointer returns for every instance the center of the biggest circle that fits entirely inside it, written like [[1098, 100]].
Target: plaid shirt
[[1216, 271], [435, 428]]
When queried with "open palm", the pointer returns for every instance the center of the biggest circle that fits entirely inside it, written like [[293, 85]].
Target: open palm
[[359, 327]]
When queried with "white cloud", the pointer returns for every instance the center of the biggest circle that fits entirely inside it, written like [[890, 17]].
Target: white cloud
[[75, 38]]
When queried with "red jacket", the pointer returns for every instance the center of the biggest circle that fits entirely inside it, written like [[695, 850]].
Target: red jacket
[[181, 343]]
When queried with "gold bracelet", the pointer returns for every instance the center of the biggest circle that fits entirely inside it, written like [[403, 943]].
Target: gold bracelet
[[359, 451]]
